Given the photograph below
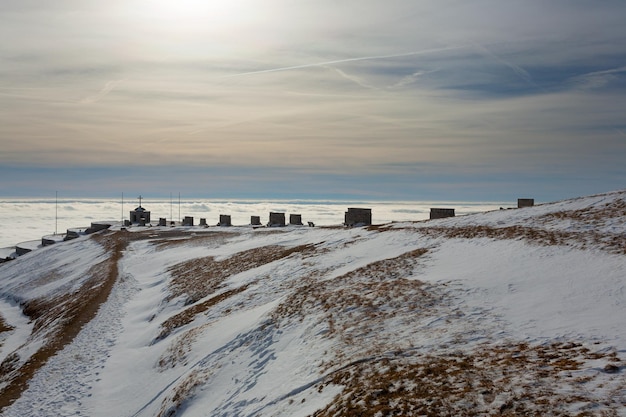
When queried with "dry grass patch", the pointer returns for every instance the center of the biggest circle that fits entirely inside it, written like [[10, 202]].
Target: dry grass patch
[[60, 319], [595, 215], [189, 314], [175, 239], [4, 327], [514, 380], [198, 278], [374, 280], [611, 243], [357, 307], [182, 393]]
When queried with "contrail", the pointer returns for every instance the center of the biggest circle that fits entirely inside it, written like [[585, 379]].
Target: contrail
[[519, 71], [340, 61]]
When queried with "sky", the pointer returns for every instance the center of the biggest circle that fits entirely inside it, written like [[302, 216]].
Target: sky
[[396, 99]]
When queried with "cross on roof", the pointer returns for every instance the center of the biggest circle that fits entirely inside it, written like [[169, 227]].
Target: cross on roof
[[140, 197]]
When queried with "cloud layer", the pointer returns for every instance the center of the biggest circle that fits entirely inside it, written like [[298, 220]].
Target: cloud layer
[[384, 90]]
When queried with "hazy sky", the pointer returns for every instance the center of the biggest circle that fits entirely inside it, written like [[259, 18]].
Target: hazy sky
[[394, 99]]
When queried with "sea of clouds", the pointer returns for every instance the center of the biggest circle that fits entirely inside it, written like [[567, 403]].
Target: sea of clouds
[[29, 219]]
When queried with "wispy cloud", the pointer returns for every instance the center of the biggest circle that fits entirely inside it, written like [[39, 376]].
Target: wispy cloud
[[108, 87], [597, 79]]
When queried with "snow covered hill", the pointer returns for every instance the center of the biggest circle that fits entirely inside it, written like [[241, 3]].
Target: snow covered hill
[[511, 312]]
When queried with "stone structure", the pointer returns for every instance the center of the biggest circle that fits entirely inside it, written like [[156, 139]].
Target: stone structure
[[203, 222], [224, 220], [441, 213], [97, 226], [295, 219], [162, 221], [276, 220], [525, 202], [188, 221], [74, 233], [255, 220], [358, 217], [140, 216]]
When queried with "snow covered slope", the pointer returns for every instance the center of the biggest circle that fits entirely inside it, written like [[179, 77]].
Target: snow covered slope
[[512, 312]]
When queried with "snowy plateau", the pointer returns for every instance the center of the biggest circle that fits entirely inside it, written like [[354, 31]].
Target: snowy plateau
[[518, 312]]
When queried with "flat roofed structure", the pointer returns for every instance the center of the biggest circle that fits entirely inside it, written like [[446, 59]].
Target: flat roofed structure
[[441, 213], [276, 220], [358, 217], [525, 202], [295, 219]]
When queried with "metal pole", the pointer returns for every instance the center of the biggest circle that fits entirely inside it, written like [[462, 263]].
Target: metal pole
[[56, 211]]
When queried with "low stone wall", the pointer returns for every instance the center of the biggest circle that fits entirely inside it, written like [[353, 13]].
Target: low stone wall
[[97, 226]]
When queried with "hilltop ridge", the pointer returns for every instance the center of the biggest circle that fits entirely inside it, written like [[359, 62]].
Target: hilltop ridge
[[510, 312]]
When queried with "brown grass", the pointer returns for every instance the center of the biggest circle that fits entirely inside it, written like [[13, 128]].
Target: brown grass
[[513, 380], [198, 278], [174, 239], [62, 318], [183, 392], [611, 243], [188, 315], [4, 327]]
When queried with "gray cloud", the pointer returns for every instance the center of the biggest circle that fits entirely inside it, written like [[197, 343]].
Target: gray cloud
[[344, 87]]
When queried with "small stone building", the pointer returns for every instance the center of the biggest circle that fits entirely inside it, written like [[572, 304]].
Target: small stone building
[[225, 220], [203, 221], [295, 219], [255, 220], [441, 213], [276, 220], [162, 221], [188, 221], [358, 217], [140, 216], [525, 202]]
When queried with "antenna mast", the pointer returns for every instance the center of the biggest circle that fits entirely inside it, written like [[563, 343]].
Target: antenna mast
[[56, 211]]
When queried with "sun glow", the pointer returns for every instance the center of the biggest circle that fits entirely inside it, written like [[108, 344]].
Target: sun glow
[[191, 15]]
